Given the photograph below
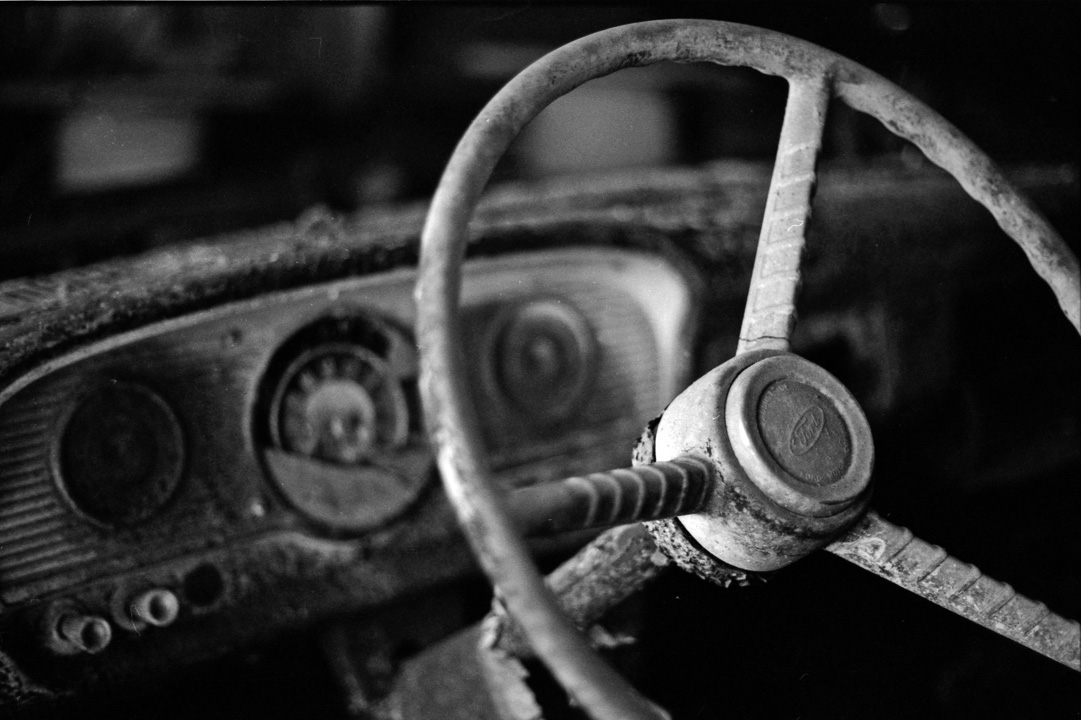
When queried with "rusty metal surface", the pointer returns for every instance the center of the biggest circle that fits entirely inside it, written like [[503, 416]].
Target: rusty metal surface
[[706, 217], [673, 540], [451, 423], [740, 524], [948, 148], [610, 569], [771, 301], [770, 311], [488, 678], [893, 552]]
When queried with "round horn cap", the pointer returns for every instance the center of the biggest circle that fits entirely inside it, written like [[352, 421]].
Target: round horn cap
[[799, 435]]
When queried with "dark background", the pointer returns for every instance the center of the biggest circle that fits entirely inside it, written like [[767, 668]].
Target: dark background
[[129, 127]]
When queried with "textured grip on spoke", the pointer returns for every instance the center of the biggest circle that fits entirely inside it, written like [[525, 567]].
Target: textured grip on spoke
[[771, 301], [894, 553], [617, 497]]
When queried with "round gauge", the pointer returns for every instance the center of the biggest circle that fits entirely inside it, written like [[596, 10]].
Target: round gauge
[[335, 426], [120, 453], [339, 403], [544, 358]]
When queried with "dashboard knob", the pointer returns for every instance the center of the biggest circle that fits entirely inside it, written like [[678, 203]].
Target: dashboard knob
[[85, 633], [157, 607]]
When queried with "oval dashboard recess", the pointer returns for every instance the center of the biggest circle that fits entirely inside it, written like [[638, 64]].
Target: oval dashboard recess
[[296, 414]]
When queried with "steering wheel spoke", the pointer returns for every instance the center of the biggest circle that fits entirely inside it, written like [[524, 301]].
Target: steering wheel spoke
[[893, 552], [770, 314]]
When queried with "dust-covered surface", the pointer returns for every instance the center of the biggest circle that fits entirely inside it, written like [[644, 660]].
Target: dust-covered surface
[[708, 217]]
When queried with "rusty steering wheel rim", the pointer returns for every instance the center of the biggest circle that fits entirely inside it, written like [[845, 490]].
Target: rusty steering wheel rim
[[451, 419]]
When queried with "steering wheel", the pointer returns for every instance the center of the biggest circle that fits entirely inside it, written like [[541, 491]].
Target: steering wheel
[[771, 457]]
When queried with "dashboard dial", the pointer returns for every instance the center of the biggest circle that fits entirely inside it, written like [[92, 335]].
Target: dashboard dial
[[544, 359], [120, 453], [341, 446], [340, 403]]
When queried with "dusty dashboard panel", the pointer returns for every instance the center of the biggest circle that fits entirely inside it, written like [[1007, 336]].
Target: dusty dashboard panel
[[164, 477]]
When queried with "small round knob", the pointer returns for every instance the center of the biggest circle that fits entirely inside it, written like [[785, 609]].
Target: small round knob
[[157, 607], [85, 633]]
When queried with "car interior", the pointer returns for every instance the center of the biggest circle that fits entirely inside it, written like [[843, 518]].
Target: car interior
[[735, 346]]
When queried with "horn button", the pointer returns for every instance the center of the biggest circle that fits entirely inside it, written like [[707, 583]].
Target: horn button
[[793, 452]]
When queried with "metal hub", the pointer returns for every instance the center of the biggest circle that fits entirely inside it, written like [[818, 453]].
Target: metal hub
[[793, 453]]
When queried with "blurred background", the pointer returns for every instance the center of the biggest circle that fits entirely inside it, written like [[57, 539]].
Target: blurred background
[[128, 127]]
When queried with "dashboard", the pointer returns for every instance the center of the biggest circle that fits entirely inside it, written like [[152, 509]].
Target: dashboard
[[170, 473]]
